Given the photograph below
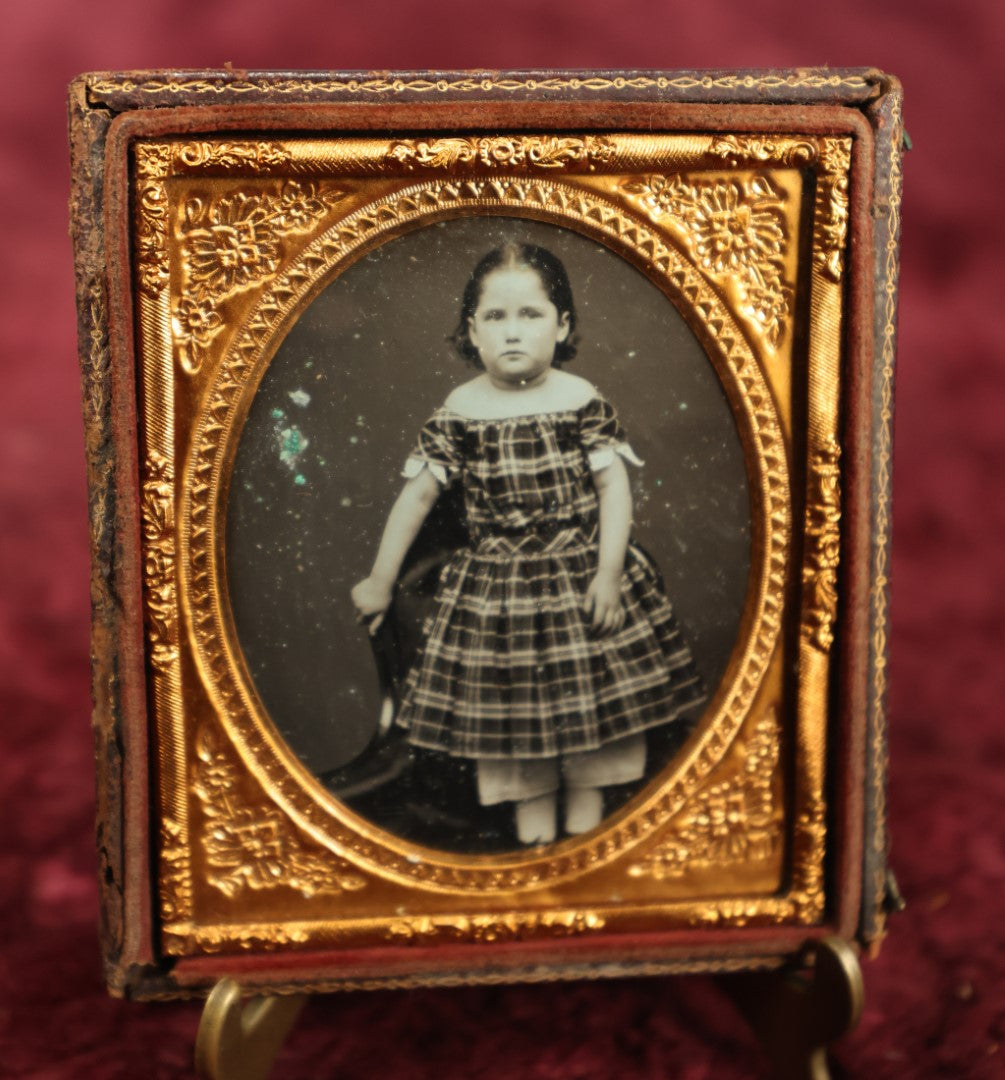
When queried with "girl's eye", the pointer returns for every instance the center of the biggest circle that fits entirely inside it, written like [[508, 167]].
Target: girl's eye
[[492, 315], [531, 313]]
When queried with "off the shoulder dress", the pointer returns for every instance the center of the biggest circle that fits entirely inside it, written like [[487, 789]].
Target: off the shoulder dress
[[510, 668]]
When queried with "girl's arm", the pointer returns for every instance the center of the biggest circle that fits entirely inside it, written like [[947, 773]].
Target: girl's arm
[[372, 595], [603, 598]]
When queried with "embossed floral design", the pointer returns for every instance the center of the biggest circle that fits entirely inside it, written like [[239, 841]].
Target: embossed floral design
[[176, 872], [157, 519], [233, 155], [196, 323], [736, 231], [733, 233], [151, 234], [231, 243], [441, 153], [831, 228], [218, 939], [244, 850], [255, 847], [298, 207], [490, 929], [823, 534], [741, 149], [543, 152], [734, 821]]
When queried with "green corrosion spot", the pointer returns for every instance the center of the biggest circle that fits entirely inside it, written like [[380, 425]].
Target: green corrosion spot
[[291, 445], [277, 414], [300, 479]]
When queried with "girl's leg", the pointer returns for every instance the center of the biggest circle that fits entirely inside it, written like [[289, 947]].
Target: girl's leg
[[535, 819], [584, 807], [588, 771], [532, 784]]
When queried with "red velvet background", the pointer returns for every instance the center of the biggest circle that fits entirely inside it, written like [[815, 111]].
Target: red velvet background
[[935, 995]]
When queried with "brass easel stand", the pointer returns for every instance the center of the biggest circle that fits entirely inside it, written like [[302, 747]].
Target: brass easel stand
[[238, 1041], [795, 1014]]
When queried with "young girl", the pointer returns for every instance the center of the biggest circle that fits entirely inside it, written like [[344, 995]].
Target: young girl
[[553, 647]]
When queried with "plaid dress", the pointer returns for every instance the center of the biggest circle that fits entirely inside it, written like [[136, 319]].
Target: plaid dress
[[510, 668]]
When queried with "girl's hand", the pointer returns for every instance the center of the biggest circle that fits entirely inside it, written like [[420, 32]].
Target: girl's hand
[[371, 599], [602, 603]]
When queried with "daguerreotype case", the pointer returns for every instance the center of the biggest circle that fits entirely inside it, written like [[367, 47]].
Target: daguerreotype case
[[272, 273]]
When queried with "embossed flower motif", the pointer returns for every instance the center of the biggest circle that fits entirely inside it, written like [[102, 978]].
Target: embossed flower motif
[[829, 549], [196, 321], [237, 247], [216, 776], [769, 303], [663, 195], [733, 233], [299, 206], [553, 153], [490, 930], [500, 151], [158, 563], [243, 841]]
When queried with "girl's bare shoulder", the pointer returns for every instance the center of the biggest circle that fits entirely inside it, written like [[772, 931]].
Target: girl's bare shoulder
[[464, 399], [570, 391]]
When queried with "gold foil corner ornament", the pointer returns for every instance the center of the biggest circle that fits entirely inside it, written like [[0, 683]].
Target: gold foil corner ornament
[[251, 846], [231, 243], [727, 823], [736, 230]]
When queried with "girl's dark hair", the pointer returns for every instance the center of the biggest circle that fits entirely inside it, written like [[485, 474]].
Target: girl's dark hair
[[513, 256]]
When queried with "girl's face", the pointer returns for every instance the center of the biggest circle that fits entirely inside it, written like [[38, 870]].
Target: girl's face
[[515, 327]]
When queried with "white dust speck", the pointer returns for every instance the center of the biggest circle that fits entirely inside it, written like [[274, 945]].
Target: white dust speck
[[299, 397]]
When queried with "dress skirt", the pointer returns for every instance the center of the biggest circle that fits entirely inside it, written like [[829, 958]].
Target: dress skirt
[[511, 668]]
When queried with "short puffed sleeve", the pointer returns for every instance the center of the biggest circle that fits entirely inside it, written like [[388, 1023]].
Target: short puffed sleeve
[[602, 435], [437, 449]]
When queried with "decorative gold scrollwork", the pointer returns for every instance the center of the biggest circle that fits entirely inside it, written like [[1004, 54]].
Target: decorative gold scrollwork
[[256, 847], [215, 155], [175, 871], [230, 244], [736, 230], [582, 208], [726, 823], [186, 937], [537, 151], [466, 84], [823, 542], [831, 230], [157, 516], [485, 929], [153, 162], [747, 149]]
